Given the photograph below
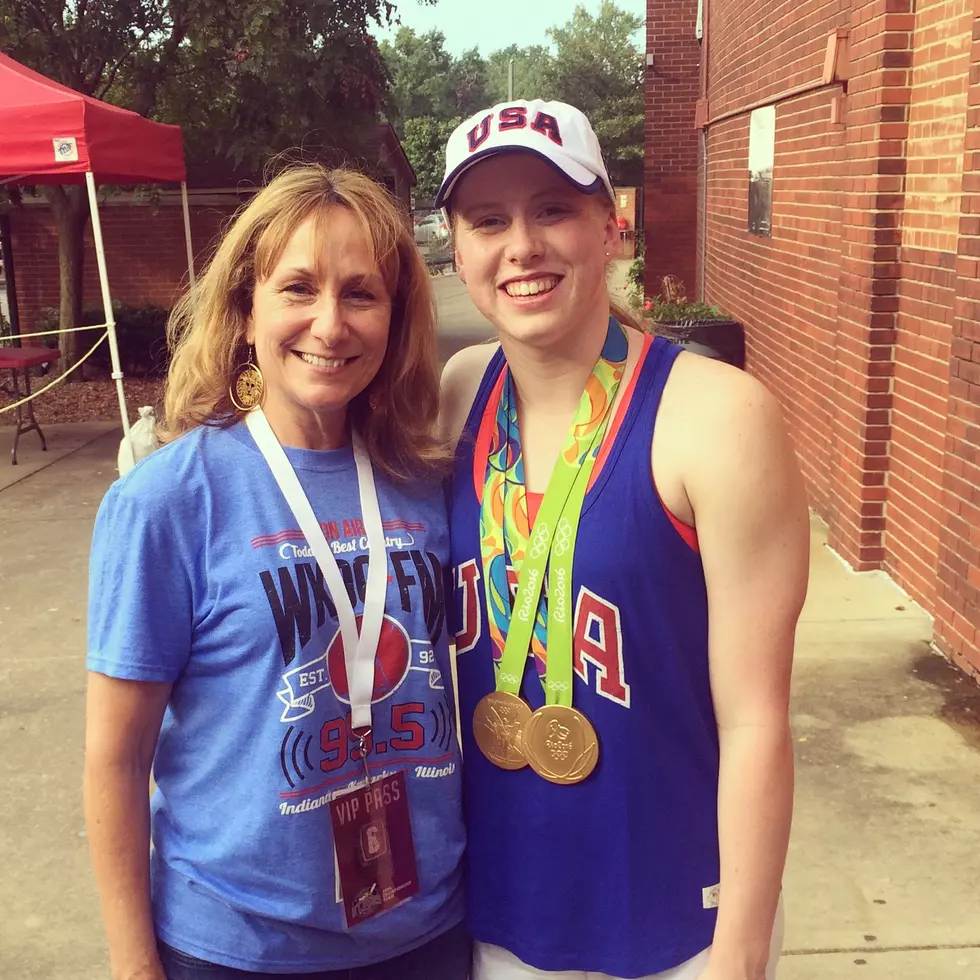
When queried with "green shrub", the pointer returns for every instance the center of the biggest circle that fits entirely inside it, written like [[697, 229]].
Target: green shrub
[[673, 306], [634, 275], [663, 312], [141, 333]]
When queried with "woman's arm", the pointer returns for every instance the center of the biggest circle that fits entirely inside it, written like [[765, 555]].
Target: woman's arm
[[122, 725], [749, 507]]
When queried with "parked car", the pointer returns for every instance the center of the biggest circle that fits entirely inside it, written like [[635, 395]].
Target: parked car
[[431, 229]]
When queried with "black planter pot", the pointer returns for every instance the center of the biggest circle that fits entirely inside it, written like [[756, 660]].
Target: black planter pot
[[724, 340]]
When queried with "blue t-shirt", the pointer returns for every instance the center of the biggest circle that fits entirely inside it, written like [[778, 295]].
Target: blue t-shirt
[[200, 578]]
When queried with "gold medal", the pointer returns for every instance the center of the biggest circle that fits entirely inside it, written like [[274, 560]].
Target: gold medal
[[498, 726], [560, 744]]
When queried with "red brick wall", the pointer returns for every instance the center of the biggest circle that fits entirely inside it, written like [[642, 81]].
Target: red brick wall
[[862, 311], [876, 126], [784, 289], [930, 227], [761, 48], [145, 254], [671, 168], [957, 604]]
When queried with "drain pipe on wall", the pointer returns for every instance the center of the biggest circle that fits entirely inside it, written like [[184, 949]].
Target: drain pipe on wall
[[702, 33], [703, 190]]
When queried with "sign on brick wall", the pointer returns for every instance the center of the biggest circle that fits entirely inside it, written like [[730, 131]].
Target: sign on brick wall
[[762, 153]]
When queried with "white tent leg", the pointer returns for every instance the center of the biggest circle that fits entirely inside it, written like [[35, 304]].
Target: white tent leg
[[107, 301], [187, 232]]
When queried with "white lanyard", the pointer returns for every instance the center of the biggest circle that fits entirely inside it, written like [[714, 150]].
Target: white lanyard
[[359, 651]]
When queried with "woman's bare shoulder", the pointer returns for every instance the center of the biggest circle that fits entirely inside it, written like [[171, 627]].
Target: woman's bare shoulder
[[461, 379]]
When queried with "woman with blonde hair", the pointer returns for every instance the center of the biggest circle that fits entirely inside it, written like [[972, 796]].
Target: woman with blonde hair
[[267, 620]]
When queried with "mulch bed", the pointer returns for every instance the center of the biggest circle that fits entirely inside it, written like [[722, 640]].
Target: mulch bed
[[87, 401]]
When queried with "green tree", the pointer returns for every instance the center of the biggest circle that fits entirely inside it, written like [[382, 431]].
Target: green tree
[[532, 73], [431, 92], [468, 84], [245, 78], [424, 141], [599, 68], [419, 67], [427, 82]]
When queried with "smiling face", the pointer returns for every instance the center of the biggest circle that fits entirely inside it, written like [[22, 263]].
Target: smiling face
[[319, 324], [531, 248]]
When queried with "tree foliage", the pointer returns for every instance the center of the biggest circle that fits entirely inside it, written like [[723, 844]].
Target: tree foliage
[[431, 92], [532, 73], [427, 81], [244, 78], [424, 139], [468, 81], [598, 68]]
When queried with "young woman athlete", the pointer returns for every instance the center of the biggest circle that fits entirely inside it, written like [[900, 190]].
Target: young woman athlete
[[630, 545]]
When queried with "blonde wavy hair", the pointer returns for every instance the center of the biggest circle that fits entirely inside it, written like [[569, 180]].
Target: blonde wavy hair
[[396, 414]]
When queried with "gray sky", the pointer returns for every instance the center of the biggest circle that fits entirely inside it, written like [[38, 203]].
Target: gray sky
[[493, 24]]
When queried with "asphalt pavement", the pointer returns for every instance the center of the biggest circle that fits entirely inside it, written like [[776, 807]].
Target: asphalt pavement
[[460, 323]]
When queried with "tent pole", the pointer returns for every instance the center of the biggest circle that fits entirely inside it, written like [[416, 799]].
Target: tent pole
[[187, 232], [107, 300]]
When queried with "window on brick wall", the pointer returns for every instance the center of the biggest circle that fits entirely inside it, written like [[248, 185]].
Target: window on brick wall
[[5, 329], [762, 152]]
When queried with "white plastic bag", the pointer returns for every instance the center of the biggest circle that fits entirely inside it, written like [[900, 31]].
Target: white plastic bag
[[142, 441]]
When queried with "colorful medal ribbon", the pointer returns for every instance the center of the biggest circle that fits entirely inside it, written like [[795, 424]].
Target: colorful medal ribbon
[[506, 535]]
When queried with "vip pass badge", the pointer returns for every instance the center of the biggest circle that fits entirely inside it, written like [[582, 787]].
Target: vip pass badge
[[556, 740], [371, 825]]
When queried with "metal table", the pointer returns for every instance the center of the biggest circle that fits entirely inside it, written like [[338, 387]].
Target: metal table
[[21, 360]]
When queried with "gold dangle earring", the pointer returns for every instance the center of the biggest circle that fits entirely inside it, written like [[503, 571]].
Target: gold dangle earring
[[247, 385]]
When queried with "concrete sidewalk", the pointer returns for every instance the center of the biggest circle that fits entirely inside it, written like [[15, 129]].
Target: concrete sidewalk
[[884, 859], [61, 440], [49, 919], [884, 863]]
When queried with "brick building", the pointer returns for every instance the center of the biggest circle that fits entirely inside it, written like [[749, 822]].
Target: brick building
[[145, 251], [862, 306]]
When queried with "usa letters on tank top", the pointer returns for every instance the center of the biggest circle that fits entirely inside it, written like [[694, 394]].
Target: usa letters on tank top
[[597, 633]]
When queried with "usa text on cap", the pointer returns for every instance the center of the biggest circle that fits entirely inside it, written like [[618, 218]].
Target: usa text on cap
[[558, 133]]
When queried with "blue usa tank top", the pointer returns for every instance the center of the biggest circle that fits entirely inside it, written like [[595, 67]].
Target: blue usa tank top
[[616, 874]]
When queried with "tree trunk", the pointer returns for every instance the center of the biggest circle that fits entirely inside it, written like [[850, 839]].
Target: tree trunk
[[69, 204]]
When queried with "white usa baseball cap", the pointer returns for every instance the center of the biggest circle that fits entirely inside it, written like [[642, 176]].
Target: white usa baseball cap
[[558, 133]]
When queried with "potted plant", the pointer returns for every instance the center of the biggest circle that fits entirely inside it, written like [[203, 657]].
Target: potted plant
[[698, 327]]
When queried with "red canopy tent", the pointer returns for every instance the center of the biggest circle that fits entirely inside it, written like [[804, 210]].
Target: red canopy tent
[[51, 134]]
